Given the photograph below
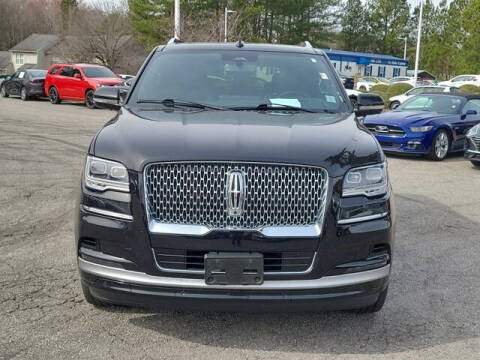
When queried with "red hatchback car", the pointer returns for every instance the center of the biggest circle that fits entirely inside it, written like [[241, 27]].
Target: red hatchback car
[[77, 82]]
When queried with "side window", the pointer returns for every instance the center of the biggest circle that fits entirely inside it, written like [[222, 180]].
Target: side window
[[472, 105], [458, 78], [54, 70], [417, 91], [76, 71], [15, 76], [67, 71]]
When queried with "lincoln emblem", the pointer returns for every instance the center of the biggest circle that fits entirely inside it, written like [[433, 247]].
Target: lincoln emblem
[[235, 192]]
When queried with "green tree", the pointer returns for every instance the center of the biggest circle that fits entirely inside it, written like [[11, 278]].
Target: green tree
[[355, 34], [469, 54], [67, 7], [388, 21]]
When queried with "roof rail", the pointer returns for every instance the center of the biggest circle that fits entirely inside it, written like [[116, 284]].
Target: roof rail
[[174, 40]]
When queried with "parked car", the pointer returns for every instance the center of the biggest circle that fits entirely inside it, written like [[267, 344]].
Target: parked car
[[26, 84], [374, 102], [78, 82], [400, 99], [347, 81], [366, 83], [3, 77], [429, 124], [462, 80], [472, 145], [235, 176], [126, 77]]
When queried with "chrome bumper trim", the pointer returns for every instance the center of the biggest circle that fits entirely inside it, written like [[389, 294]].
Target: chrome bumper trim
[[156, 227], [139, 278], [108, 213], [363, 218], [473, 151]]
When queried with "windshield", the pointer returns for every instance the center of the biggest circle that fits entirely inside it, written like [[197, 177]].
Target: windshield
[[98, 72], [38, 73], [241, 79], [439, 104]]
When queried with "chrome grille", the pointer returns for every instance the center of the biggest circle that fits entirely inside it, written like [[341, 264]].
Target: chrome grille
[[385, 130], [476, 141], [275, 194]]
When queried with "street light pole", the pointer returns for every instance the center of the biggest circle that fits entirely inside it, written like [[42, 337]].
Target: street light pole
[[226, 21], [419, 40], [405, 49], [177, 20]]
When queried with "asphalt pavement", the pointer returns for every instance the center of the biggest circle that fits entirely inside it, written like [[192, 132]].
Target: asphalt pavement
[[432, 311]]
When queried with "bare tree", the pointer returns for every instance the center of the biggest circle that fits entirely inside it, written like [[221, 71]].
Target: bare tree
[[101, 33]]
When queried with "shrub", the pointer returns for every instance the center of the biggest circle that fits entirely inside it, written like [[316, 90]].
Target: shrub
[[470, 89], [398, 89], [377, 89]]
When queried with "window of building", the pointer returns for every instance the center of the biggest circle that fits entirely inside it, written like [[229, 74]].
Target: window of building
[[19, 59], [381, 71], [396, 72], [367, 71]]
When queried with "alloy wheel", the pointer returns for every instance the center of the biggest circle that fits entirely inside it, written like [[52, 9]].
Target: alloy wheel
[[53, 95], [441, 145]]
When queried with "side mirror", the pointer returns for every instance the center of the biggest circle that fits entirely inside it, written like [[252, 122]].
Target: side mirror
[[369, 104], [107, 97], [469, 112]]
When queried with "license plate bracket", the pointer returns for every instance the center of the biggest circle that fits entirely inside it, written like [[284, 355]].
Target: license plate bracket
[[230, 268]]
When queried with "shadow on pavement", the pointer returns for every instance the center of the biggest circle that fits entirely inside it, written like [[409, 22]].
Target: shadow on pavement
[[433, 299]]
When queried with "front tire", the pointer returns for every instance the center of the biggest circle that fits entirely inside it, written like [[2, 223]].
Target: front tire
[[394, 104], [89, 99], [3, 92], [440, 146], [23, 94], [53, 95]]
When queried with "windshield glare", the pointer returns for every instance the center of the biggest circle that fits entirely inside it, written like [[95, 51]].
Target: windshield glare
[[98, 72], [439, 104], [241, 79]]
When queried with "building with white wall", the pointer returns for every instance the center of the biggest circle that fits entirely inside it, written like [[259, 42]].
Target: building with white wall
[[351, 63]]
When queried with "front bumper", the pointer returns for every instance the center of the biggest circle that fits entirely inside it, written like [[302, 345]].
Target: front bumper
[[472, 155], [412, 144], [347, 291]]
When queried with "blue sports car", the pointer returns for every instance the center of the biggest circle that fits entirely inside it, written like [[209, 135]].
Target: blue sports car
[[428, 124]]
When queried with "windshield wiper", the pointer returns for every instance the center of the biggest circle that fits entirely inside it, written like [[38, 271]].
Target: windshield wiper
[[265, 107], [179, 102]]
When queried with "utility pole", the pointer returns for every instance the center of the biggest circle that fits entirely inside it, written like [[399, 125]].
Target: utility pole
[[419, 40], [405, 49], [177, 20], [226, 21]]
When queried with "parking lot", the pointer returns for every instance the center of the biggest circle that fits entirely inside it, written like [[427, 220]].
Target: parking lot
[[432, 311]]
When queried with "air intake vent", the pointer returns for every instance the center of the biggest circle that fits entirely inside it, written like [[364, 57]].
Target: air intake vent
[[193, 261], [89, 243]]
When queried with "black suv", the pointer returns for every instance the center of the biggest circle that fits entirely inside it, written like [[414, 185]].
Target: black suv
[[235, 177]]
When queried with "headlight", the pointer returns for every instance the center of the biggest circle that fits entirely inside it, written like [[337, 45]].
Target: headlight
[[421, 128], [368, 180], [103, 174], [474, 131]]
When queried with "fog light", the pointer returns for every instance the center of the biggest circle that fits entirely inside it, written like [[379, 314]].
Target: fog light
[[414, 145]]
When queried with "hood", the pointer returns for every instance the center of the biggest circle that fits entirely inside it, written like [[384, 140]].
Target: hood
[[333, 141], [108, 81], [402, 118]]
